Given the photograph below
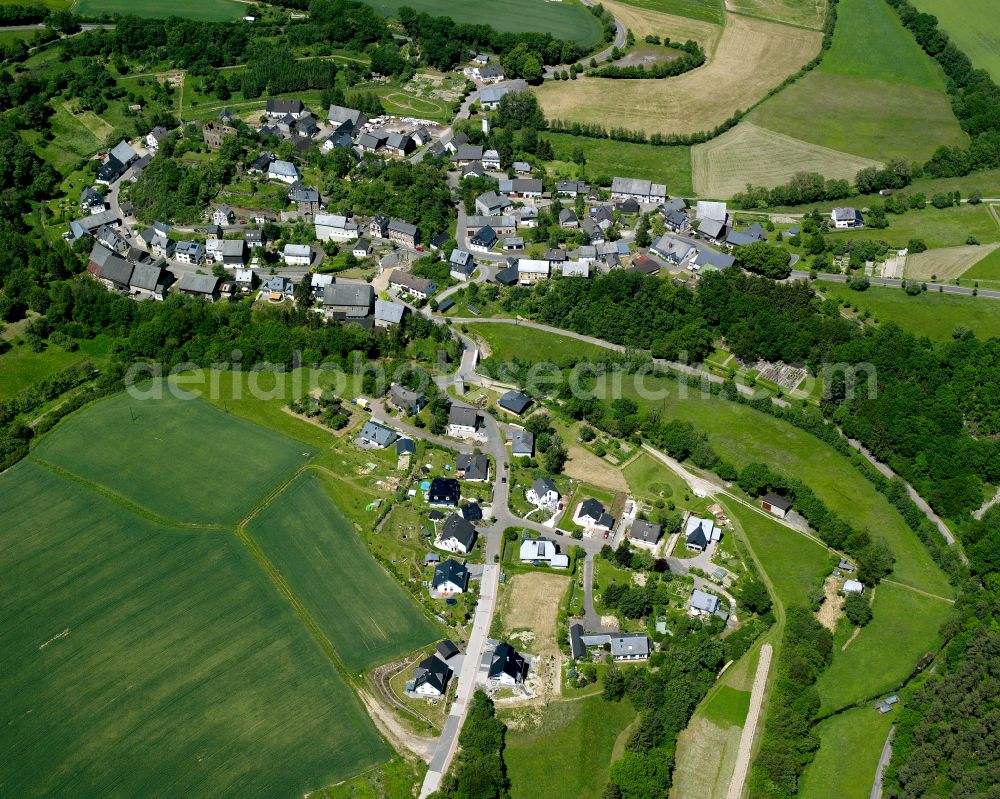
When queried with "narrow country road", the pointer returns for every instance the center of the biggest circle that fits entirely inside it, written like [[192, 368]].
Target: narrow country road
[[742, 767], [883, 761]]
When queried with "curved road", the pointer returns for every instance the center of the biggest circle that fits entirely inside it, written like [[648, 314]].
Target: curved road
[[604, 55]]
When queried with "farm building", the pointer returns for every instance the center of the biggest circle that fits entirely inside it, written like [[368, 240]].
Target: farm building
[[776, 505]]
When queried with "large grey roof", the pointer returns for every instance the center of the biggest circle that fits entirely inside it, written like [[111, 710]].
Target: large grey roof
[[412, 282], [645, 531], [198, 284], [450, 570], [399, 226], [379, 433], [463, 415], [146, 276], [350, 294], [626, 645], [458, 528], [123, 152], [391, 312], [117, 270]]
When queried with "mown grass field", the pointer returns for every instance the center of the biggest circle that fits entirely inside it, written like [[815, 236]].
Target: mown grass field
[[144, 660], [204, 10], [751, 154], [946, 263], [728, 707], [135, 448], [849, 750], [987, 269], [752, 57], [875, 93], [794, 564], [930, 314], [567, 756], [604, 157], [706, 10], [20, 367], [650, 480], [974, 25], [531, 345], [565, 20], [904, 627], [643, 20], [807, 13], [364, 612]]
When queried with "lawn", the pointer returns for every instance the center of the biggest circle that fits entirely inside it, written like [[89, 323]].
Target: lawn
[[938, 227], [150, 660], [904, 628], [849, 751], [794, 564], [20, 367], [306, 538], [604, 157], [875, 93], [568, 755], [707, 10], [973, 26], [986, 269], [181, 459], [565, 20], [650, 480], [202, 10], [930, 314]]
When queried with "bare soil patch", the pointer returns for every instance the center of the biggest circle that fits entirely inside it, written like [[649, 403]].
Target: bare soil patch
[[833, 606], [531, 614]]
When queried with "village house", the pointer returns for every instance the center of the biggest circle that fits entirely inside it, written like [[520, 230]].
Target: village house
[[90, 224], [463, 421], [542, 552], [278, 108], [575, 269], [461, 264], [283, 171], [846, 218], [492, 204], [377, 435], [419, 287], [245, 279], [513, 243], [204, 286], [514, 402], [399, 144], [388, 313], [457, 535], [741, 238], [372, 141], [223, 215], [278, 288], [334, 227], [522, 443], [491, 73], [530, 271], [155, 137], [234, 253], [254, 238], [484, 239], [430, 678], [571, 188], [318, 283], [297, 255], [378, 228], [491, 160], [472, 468], [410, 402], [526, 188], [149, 281], [490, 96], [645, 534], [467, 153], [92, 201], [306, 198], [543, 494], [590, 515], [702, 603], [642, 191], [699, 533], [348, 301], [568, 219], [362, 248], [502, 225], [403, 233], [672, 249], [189, 252], [345, 120], [450, 577], [507, 667]]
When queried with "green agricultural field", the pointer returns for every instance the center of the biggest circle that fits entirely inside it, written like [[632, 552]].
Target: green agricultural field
[[203, 10], [987, 269], [322, 559], [794, 563], [565, 20], [604, 157], [60, 4], [706, 10], [875, 93], [849, 750], [930, 314], [20, 367], [567, 756], [187, 461], [904, 628], [152, 660], [973, 25], [806, 13], [938, 227]]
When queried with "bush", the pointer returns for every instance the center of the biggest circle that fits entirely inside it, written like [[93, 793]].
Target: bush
[[859, 283]]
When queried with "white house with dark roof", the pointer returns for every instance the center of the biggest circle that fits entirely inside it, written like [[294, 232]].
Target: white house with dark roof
[[543, 494], [189, 252], [507, 666], [846, 218], [377, 435], [672, 249], [457, 535], [419, 287], [643, 191], [522, 443], [464, 422], [450, 577], [491, 203], [473, 468], [430, 677], [345, 119], [461, 264], [491, 159], [699, 533], [591, 516], [645, 534], [285, 171], [703, 603]]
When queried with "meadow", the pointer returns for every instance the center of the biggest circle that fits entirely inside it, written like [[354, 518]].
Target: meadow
[[651, 480], [875, 94], [850, 745], [746, 154], [793, 563], [752, 57], [905, 626], [937, 227], [568, 754], [930, 314], [986, 269], [973, 25], [229, 465], [510, 341], [565, 20], [323, 561], [202, 10], [643, 20], [20, 367], [604, 157], [152, 660], [947, 263]]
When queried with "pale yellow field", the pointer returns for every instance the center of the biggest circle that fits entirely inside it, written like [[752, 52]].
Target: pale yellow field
[[643, 21], [809, 13], [752, 58], [750, 154], [947, 262]]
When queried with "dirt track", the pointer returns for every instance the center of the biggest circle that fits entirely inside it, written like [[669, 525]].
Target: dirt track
[[750, 728]]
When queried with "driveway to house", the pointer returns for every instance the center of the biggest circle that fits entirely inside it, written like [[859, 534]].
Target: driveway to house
[[750, 726]]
